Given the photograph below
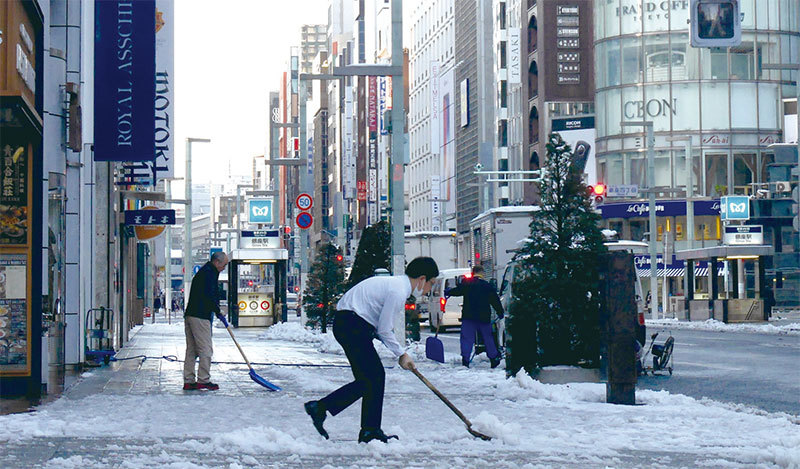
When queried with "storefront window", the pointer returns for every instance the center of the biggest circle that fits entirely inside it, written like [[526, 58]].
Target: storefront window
[[631, 60], [657, 58], [716, 174], [744, 114], [715, 106], [686, 106], [744, 170], [638, 229]]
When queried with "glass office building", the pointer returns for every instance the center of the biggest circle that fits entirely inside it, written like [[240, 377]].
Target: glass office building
[[725, 99]]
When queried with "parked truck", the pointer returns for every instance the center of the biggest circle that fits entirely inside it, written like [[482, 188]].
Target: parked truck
[[495, 234], [442, 246]]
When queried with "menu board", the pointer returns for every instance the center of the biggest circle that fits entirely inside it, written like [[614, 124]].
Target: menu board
[[14, 346], [13, 194]]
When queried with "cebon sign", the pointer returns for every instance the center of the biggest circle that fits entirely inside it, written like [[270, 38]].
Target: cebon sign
[[735, 207]]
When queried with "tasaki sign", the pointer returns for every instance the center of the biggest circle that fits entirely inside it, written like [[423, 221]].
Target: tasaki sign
[[259, 211], [735, 207]]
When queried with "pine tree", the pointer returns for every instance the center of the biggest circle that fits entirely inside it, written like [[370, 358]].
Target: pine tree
[[553, 319], [325, 286], [374, 252]]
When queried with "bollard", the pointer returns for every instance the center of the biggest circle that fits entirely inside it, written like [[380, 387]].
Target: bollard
[[618, 326]]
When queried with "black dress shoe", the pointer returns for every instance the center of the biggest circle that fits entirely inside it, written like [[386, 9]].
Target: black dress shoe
[[316, 410], [368, 434], [494, 362], [465, 362]]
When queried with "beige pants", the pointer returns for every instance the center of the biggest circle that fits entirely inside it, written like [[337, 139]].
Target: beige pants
[[198, 344]]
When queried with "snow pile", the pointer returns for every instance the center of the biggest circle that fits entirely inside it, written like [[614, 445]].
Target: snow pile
[[490, 425], [719, 326], [296, 332]]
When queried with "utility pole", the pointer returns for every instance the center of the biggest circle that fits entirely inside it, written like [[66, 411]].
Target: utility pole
[[396, 173], [651, 207], [187, 225]]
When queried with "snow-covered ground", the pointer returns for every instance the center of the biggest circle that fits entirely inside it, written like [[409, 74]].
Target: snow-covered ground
[[532, 424], [714, 325]]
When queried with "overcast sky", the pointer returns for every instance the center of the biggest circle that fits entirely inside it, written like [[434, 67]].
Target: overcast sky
[[228, 57]]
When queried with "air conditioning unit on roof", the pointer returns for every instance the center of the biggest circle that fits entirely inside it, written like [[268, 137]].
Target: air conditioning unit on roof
[[782, 187]]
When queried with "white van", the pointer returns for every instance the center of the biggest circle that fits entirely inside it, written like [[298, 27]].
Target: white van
[[446, 313]]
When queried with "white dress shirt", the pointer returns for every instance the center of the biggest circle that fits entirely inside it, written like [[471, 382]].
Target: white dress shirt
[[377, 300]]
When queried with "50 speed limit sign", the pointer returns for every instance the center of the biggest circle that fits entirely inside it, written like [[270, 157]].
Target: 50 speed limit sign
[[304, 202]]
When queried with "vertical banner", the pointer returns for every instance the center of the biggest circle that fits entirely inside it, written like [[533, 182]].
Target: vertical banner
[[382, 105], [124, 84], [436, 194], [348, 143], [165, 88], [579, 134], [436, 141], [372, 107], [447, 169], [514, 59], [464, 103]]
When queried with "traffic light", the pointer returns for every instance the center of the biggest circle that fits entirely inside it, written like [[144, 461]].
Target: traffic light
[[339, 258], [597, 193], [715, 23], [286, 231]]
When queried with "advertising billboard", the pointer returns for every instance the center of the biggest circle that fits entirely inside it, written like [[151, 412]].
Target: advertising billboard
[[579, 134], [124, 84]]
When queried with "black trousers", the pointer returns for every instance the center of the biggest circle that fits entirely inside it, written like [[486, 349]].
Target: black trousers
[[355, 336]]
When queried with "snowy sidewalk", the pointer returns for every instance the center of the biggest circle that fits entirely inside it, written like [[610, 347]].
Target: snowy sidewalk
[[134, 415]]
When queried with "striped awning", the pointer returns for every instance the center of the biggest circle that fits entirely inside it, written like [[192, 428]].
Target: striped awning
[[677, 272]]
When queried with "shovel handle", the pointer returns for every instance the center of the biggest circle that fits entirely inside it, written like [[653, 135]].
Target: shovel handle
[[228, 327], [442, 397]]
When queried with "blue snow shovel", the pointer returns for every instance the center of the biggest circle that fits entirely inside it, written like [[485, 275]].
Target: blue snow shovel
[[253, 375], [434, 350]]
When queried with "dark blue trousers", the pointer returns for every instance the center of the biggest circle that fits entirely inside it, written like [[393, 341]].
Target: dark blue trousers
[[469, 327], [355, 336]]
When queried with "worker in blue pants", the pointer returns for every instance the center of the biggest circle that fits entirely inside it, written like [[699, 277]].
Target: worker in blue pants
[[479, 296]]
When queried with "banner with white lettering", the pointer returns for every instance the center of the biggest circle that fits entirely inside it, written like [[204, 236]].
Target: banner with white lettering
[[124, 80], [165, 88]]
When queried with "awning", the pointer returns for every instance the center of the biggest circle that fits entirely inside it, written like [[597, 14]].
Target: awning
[[677, 272]]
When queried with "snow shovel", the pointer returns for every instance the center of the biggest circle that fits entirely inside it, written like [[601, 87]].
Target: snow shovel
[[451, 406], [253, 375], [434, 350]]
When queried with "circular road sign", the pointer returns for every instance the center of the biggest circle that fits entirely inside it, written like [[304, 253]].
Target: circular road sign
[[265, 305], [304, 201], [304, 220], [242, 305]]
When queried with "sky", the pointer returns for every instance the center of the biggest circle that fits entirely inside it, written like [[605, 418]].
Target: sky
[[228, 57]]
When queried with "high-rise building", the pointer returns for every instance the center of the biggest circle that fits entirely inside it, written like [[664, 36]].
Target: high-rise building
[[430, 184], [475, 111]]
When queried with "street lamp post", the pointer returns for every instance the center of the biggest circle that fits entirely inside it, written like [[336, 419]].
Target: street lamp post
[[187, 225], [651, 207], [168, 253]]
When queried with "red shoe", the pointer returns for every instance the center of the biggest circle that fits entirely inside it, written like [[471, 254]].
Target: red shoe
[[189, 386], [209, 385]]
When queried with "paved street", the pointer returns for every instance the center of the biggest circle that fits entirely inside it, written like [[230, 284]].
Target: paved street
[[758, 370], [133, 414]]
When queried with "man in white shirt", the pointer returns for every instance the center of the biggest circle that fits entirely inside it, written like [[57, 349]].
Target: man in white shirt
[[365, 312]]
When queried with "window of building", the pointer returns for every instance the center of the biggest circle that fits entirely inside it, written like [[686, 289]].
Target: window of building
[[502, 133], [716, 174], [744, 171], [502, 54], [503, 97]]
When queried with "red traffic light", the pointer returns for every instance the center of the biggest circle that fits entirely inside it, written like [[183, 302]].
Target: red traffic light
[[339, 258], [320, 305], [411, 306], [599, 189], [296, 289], [249, 283], [287, 229]]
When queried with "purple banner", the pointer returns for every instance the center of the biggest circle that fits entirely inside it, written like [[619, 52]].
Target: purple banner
[[664, 208]]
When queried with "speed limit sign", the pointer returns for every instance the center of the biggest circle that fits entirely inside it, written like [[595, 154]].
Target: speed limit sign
[[304, 202]]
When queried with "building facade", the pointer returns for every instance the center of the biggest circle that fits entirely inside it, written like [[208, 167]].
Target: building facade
[[430, 182], [725, 99]]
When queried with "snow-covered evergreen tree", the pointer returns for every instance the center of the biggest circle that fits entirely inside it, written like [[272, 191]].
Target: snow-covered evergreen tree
[[324, 287], [553, 319], [374, 252]]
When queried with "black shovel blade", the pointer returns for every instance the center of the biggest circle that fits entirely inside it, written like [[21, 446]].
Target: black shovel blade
[[478, 434], [434, 350]]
